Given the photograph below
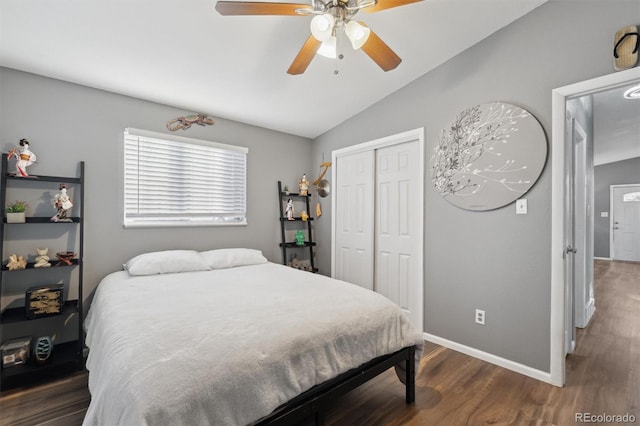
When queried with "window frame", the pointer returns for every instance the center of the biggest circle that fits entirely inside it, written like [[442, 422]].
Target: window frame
[[167, 222]]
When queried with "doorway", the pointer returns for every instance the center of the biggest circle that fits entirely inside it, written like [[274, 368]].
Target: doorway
[[378, 206], [625, 223], [560, 231]]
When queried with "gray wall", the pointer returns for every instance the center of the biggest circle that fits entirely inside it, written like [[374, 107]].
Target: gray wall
[[493, 260], [67, 123], [618, 173]]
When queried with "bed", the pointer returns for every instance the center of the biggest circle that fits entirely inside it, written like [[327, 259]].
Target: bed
[[228, 338]]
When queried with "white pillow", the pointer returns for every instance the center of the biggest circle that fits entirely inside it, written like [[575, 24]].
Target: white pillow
[[228, 258], [166, 262]]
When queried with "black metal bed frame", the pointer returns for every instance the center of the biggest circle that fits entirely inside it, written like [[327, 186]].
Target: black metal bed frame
[[315, 401]]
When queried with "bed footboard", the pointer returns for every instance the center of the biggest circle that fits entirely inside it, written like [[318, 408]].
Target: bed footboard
[[315, 401]]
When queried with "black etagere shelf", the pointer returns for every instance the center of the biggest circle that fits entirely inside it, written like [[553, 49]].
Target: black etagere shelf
[[14, 315], [306, 225], [53, 263], [66, 356], [47, 220]]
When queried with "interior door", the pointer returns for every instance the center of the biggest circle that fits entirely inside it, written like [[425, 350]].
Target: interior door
[[569, 239], [354, 218], [626, 223], [584, 302], [398, 250]]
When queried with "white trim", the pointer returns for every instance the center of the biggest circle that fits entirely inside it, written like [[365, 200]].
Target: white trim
[[159, 224], [490, 358], [559, 97], [589, 310], [176, 138], [612, 255], [601, 258]]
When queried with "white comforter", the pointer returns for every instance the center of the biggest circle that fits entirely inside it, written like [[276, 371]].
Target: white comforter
[[228, 346]]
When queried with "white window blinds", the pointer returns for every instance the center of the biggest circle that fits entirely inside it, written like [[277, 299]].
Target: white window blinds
[[176, 181]]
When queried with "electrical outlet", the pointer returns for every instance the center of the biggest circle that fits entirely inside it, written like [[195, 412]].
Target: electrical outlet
[[479, 316]]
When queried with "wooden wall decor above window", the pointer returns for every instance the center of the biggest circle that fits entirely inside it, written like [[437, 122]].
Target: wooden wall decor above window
[[186, 122]]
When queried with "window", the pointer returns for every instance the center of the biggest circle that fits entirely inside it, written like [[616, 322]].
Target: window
[[176, 181]]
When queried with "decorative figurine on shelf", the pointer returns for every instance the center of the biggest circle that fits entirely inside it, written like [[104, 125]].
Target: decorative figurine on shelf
[[286, 190], [62, 202], [289, 210], [299, 237], [42, 260], [42, 349], [24, 157], [295, 263], [304, 216], [16, 262], [304, 185], [65, 258]]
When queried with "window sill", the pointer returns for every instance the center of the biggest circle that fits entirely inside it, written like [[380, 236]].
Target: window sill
[[181, 224]]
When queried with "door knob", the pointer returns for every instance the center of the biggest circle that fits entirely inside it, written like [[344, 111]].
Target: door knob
[[571, 250]]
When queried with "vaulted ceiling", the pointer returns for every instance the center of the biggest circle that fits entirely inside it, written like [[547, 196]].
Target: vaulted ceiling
[[185, 54]]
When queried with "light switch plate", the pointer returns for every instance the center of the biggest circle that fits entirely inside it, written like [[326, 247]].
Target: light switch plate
[[604, 214], [521, 206]]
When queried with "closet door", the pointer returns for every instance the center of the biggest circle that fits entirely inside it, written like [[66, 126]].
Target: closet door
[[398, 227], [378, 226], [354, 218]]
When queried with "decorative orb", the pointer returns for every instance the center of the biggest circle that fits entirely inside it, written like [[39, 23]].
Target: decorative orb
[[43, 348]]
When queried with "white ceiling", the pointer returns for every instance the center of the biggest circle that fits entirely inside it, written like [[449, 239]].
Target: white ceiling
[[183, 53], [616, 126]]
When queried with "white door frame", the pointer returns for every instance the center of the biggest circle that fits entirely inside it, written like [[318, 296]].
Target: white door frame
[[559, 98], [408, 136], [611, 187]]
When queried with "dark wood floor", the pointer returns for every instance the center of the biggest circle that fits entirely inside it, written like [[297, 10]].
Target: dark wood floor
[[603, 377]]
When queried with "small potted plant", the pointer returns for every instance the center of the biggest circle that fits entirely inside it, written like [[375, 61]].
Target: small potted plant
[[15, 212]]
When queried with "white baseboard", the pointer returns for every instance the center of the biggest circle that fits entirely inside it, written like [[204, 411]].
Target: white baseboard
[[589, 310], [602, 258], [490, 358]]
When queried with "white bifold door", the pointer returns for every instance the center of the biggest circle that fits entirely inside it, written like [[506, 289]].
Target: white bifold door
[[354, 218], [378, 227]]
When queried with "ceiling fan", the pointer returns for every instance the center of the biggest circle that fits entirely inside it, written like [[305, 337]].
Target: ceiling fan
[[331, 18]]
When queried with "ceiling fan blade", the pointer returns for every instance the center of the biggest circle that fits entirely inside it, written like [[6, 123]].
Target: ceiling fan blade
[[388, 4], [380, 52], [305, 56], [259, 8]]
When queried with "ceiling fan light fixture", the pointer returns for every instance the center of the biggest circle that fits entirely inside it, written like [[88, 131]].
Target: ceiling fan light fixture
[[304, 11], [328, 48], [633, 93], [322, 27], [363, 4], [357, 33]]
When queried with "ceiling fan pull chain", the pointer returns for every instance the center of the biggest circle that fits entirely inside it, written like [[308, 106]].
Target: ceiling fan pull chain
[[339, 55]]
